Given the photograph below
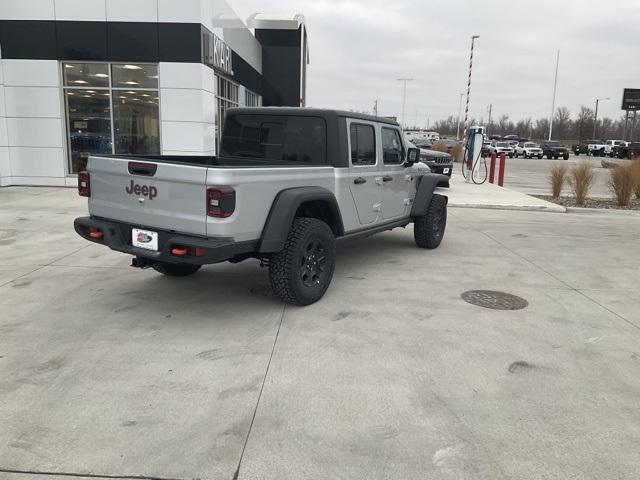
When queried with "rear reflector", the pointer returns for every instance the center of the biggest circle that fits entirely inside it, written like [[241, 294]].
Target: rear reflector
[[201, 252], [84, 184], [97, 234], [179, 251], [221, 202]]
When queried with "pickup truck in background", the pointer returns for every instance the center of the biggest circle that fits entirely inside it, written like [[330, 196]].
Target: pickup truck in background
[[610, 145], [287, 184], [628, 150], [596, 149], [583, 147]]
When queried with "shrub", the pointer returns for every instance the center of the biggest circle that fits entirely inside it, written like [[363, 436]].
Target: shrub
[[581, 179], [457, 151], [557, 178], [635, 167], [439, 147], [622, 182]]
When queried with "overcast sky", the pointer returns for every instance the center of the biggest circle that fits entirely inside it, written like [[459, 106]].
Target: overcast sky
[[358, 48]]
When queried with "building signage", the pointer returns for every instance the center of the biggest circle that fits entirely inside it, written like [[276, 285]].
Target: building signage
[[631, 99], [215, 53]]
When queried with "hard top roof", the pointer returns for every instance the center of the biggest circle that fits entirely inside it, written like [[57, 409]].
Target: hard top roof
[[311, 112]]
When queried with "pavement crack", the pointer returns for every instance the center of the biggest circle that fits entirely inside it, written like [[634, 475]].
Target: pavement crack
[[86, 475], [264, 380]]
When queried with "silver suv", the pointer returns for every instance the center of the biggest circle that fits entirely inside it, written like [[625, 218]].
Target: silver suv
[[288, 184]]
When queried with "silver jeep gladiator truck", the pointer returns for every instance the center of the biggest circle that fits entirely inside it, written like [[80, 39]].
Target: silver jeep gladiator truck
[[287, 184]]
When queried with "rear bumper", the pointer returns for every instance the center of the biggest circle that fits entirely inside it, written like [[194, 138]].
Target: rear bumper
[[117, 236]]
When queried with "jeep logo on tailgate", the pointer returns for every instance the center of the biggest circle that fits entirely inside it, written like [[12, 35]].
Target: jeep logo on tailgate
[[144, 190]]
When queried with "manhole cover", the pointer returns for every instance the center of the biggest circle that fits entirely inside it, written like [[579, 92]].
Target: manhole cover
[[494, 300]]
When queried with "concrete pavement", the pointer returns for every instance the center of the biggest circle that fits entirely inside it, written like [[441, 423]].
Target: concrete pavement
[[491, 196], [110, 371]]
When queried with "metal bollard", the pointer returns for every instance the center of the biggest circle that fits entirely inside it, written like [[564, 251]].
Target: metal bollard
[[492, 167], [503, 160]]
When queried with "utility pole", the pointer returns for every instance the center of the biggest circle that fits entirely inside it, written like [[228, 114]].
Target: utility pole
[[375, 108], [489, 122], [458, 122], [466, 110], [404, 96], [553, 101], [595, 115]]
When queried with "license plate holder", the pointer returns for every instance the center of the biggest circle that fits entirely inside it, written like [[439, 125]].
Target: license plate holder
[[146, 239]]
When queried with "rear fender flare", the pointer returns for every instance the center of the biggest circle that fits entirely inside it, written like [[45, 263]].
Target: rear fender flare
[[283, 211]]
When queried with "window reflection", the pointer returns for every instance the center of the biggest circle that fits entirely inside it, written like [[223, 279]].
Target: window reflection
[[86, 75], [89, 123], [135, 119], [135, 76], [128, 100]]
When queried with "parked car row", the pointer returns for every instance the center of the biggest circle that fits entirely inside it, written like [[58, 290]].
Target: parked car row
[[602, 148], [526, 149]]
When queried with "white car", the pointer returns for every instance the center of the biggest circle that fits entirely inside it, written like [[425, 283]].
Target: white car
[[501, 148], [528, 150], [610, 144]]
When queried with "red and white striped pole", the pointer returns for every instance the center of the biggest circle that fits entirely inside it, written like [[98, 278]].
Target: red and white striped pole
[[466, 110]]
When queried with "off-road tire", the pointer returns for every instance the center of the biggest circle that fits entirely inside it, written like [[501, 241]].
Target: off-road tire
[[428, 229], [287, 267], [176, 269]]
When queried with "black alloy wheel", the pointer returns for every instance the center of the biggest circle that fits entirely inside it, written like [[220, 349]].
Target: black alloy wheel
[[313, 263]]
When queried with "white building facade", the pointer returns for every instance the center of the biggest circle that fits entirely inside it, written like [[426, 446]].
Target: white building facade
[[81, 77]]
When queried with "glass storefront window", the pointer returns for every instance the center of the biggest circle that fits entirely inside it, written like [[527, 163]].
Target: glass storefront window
[[111, 108], [135, 120], [86, 75], [89, 123], [135, 76], [227, 97]]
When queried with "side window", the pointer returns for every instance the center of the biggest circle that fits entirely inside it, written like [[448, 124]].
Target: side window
[[363, 144], [392, 152]]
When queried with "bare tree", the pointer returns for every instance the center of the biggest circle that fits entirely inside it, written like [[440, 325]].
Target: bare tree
[[562, 123]]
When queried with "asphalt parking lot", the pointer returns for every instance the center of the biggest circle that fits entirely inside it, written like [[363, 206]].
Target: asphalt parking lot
[[119, 373], [531, 175]]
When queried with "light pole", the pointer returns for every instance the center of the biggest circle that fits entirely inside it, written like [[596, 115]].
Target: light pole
[[466, 110], [404, 96], [458, 122], [553, 101], [595, 115]]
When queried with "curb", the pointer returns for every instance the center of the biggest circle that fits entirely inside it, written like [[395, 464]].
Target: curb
[[615, 211]]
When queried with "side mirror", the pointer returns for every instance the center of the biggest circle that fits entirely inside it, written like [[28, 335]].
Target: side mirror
[[413, 156]]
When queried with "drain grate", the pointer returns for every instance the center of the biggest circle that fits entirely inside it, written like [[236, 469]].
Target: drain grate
[[494, 300]]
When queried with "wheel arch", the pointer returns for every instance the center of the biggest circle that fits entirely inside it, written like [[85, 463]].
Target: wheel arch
[[314, 202], [425, 190]]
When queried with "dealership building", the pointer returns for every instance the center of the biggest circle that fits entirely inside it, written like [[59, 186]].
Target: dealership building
[[82, 77]]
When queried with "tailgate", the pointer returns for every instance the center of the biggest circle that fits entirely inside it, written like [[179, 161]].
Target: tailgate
[[169, 196]]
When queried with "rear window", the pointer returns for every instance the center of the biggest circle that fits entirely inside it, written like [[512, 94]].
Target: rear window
[[275, 137]]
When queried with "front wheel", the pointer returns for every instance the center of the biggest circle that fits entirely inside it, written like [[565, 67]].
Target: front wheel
[[428, 229], [176, 269], [301, 273]]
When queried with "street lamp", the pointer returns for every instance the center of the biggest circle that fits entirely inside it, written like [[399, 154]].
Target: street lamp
[[595, 115], [404, 96]]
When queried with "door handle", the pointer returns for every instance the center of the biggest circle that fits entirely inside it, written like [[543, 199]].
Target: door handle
[[360, 180], [387, 178]]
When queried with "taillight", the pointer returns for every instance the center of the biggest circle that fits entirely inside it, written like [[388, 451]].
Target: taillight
[[221, 202], [84, 184]]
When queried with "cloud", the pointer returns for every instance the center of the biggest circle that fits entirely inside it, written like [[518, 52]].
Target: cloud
[[360, 47]]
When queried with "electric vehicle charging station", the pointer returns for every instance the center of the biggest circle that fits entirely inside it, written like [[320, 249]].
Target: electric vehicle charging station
[[473, 161]]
